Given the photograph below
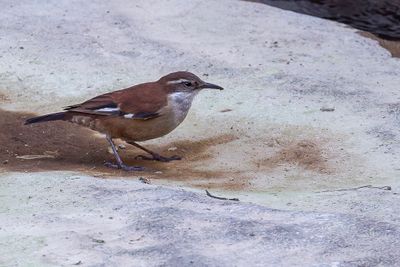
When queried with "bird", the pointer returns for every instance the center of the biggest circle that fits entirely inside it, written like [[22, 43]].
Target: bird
[[137, 113]]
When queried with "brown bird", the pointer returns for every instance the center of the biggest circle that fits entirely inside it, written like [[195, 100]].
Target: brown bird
[[138, 113]]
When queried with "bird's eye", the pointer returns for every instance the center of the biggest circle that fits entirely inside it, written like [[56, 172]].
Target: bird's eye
[[188, 84]]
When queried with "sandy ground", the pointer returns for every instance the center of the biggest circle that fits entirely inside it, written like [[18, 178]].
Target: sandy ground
[[265, 139]]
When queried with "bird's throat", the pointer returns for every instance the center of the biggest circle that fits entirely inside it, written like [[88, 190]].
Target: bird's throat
[[180, 103]]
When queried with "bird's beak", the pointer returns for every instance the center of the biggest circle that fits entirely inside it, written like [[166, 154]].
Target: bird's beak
[[210, 86]]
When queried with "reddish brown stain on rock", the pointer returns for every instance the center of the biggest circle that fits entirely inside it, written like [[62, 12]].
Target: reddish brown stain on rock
[[305, 154], [68, 147]]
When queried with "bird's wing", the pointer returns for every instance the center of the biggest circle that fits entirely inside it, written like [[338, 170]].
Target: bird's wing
[[128, 103], [99, 105]]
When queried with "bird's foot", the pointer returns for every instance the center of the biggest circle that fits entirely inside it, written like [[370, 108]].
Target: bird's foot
[[157, 157], [124, 167]]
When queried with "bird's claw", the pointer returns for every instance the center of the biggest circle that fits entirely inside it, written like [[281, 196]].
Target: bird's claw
[[157, 157], [124, 167]]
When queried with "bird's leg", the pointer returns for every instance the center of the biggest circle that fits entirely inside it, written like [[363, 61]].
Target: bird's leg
[[154, 156], [120, 164]]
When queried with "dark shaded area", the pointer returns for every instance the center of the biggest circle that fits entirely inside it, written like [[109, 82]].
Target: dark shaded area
[[68, 147], [380, 17]]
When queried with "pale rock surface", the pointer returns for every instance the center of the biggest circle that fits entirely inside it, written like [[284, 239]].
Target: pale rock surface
[[279, 68]]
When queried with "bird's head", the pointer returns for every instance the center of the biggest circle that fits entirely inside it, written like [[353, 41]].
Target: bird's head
[[185, 82]]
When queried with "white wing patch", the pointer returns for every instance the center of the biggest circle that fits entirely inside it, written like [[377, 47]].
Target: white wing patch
[[108, 110], [129, 116]]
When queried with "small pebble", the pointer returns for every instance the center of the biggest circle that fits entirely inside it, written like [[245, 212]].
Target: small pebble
[[144, 180]]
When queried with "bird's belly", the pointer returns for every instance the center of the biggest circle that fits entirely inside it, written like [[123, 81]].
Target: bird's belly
[[141, 130], [138, 130], [146, 130]]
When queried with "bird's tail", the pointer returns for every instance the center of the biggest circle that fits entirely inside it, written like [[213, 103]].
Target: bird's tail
[[49, 117]]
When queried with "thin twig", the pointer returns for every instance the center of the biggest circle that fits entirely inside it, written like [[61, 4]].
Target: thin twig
[[325, 109], [386, 187], [221, 198]]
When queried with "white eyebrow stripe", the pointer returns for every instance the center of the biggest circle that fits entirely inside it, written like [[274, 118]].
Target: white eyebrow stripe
[[107, 110], [129, 116], [178, 81]]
